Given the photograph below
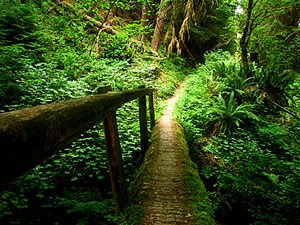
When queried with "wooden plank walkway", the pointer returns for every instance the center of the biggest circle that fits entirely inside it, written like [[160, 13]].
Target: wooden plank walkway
[[166, 203]]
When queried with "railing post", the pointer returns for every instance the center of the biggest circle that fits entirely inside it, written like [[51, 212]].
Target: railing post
[[115, 161], [143, 123], [151, 110]]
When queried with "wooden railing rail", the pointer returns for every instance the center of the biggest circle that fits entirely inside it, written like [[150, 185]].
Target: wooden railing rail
[[29, 136]]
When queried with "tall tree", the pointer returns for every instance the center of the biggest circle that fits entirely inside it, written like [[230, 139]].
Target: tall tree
[[160, 24], [256, 13], [270, 29], [144, 20], [244, 41]]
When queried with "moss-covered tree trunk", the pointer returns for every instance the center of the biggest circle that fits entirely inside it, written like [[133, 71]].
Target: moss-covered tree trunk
[[160, 24]]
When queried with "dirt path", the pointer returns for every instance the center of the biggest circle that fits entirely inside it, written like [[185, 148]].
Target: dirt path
[[166, 203]]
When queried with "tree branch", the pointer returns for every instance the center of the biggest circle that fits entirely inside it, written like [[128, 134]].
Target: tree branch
[[284, 109]]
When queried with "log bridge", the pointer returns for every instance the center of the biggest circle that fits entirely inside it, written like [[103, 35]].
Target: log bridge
[[29, 136]]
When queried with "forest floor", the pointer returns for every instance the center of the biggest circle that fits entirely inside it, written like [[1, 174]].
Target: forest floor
[[166, 202]]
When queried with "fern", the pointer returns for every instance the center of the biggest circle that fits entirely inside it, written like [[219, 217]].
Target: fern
[[226, 115]]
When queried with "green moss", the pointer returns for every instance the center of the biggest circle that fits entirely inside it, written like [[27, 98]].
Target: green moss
[[198, 201]]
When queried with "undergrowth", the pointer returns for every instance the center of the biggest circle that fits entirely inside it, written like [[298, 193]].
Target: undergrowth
[[247, 150]]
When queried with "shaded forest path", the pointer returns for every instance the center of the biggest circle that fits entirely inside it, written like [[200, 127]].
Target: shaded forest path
[[160, 187]]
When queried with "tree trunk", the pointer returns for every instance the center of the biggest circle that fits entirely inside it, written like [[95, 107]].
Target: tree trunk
[[144, 21], [159, 27], [246, 36]]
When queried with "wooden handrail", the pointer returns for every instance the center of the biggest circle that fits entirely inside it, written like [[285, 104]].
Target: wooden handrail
[[29, 136]]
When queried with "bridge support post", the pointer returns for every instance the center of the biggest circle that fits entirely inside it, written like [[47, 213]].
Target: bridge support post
[[143, 123], [115, 161], [151, 110]]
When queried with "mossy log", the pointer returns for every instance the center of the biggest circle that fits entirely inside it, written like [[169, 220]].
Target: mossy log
[[29, 136]]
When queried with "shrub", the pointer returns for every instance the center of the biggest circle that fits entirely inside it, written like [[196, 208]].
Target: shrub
[[250, 176]]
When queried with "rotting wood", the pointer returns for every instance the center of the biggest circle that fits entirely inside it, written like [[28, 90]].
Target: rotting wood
[[29, 136]]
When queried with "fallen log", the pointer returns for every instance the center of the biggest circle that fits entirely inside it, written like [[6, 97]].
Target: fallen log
[[96, 23]]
